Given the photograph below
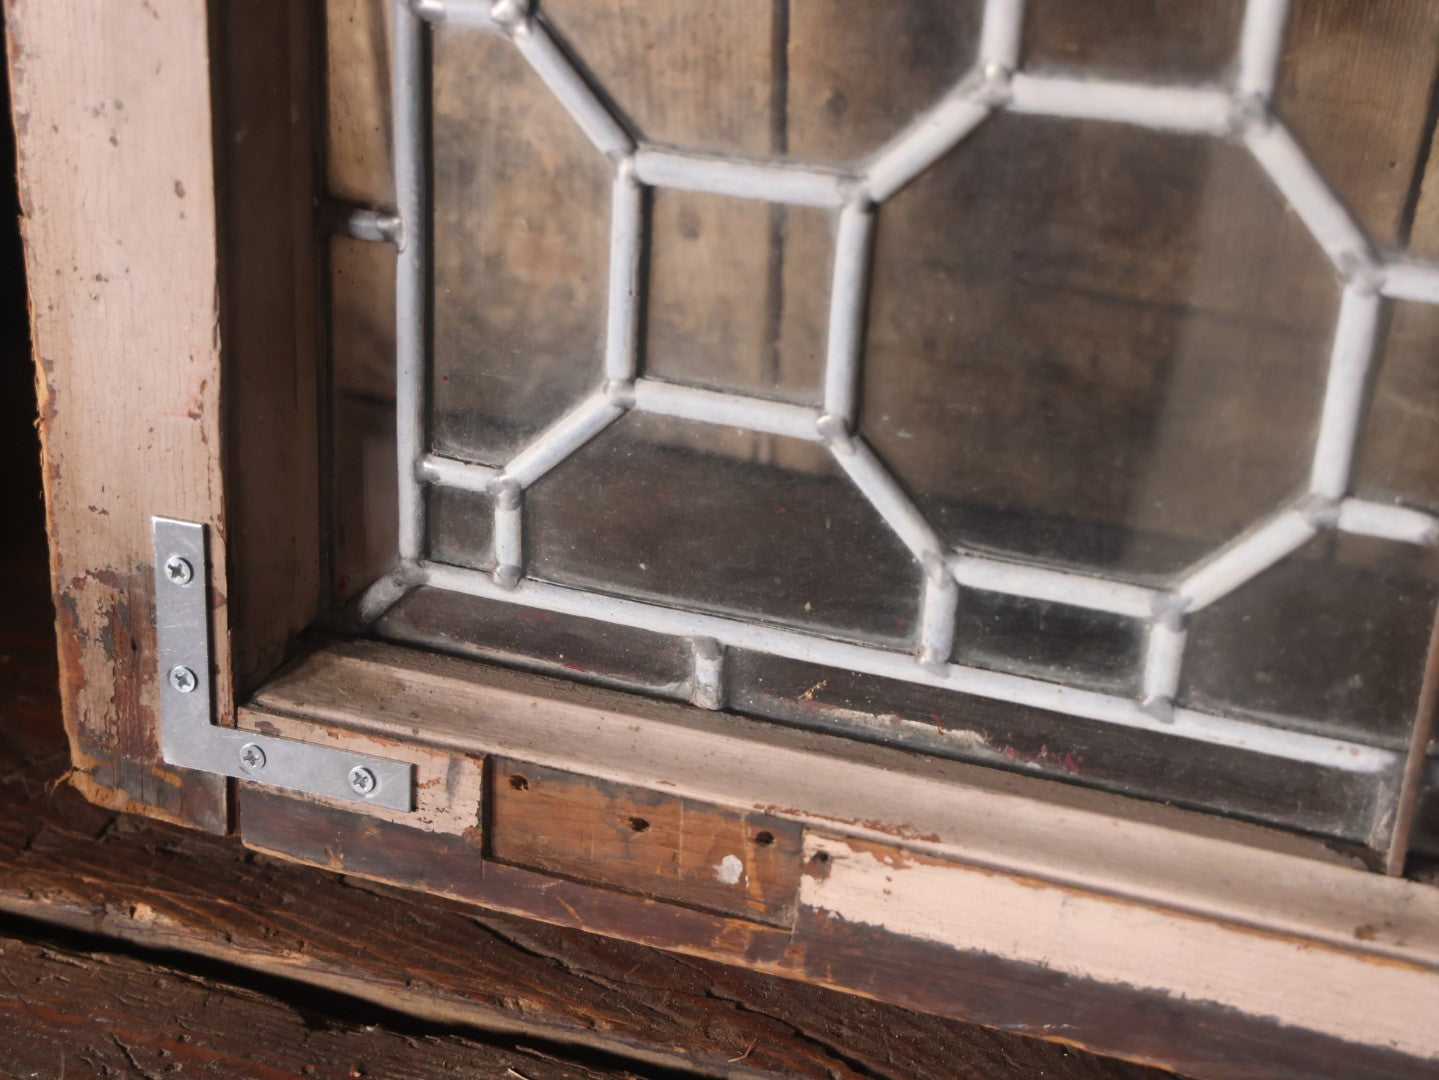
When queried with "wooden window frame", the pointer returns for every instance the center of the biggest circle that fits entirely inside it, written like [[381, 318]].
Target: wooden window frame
[[168, 181]]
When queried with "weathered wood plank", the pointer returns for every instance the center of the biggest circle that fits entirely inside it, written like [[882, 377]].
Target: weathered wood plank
[[835, 944], [67, 1011], [72, 864], [266, 163], [112, 114], [645, 841]]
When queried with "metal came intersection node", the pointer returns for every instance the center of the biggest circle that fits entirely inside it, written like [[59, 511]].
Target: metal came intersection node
[[997, 82]]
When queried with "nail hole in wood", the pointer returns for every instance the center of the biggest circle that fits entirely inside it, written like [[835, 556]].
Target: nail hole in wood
[[764, 838], [519, 783], [639, 824]]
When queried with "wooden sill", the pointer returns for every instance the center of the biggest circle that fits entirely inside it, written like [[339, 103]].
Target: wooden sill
[[871, 853]]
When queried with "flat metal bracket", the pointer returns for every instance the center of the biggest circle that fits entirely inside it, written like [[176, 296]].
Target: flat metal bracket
[[188, 734]]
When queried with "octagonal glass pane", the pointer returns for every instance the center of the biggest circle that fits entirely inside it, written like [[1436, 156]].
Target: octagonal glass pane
[[1096, 345]]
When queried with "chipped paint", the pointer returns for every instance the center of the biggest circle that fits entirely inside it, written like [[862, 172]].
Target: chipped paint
[[730, 870], [1111, 940]]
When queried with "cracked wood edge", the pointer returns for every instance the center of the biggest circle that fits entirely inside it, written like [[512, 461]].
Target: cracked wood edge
[[105, 1013], [112, 117]]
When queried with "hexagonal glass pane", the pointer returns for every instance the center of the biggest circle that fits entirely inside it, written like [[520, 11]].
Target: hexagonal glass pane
[[738, 295], [677, 512], [1096, 345], [819, 80], [1154, 40], [521, 252]]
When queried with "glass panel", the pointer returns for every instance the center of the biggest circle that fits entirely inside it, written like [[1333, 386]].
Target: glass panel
[[649, 510], [521, 249], [1095, 344], [543, 641], [738, 295], [1355, 89], [1050, 641], [819, 80], [363, 475], [1401, 437], [940, 722], [1165, 40], [357, 41], [1333, 637], [461, 528], [1091, 346]]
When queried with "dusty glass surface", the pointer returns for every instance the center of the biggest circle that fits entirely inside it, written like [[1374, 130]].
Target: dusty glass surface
[[1058, 642], [1332, 638], [564, 645], [461, 527], [357, 72], [1090, 346], [1166, 40], [820, 80], [1355, 85], [521, 249], [738, 295], [941, 722], [662, 509], [1095, 344], [1400, 442]]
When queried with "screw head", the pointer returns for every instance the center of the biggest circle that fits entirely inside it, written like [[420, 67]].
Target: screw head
[[252, 758], [362, 780], [179, 570], [183, 679]]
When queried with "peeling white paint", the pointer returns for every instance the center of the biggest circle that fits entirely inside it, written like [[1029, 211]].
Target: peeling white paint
[[1093, 936], [729, 870]]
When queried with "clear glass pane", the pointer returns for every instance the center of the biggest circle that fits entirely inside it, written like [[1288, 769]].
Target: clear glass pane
[[519, 636], [946, 724], [655, 508], [1095, 344], [1092, 346], [521, 250], [1164, 40], [358, 150], [1355, 88], [1050, 641], [1332, 638], [819, 80], [461, 528], [364, 475], [1400, 444], [738, 295]]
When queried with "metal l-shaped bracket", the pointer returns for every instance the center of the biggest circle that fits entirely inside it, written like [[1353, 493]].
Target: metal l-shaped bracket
[[188, 734]]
